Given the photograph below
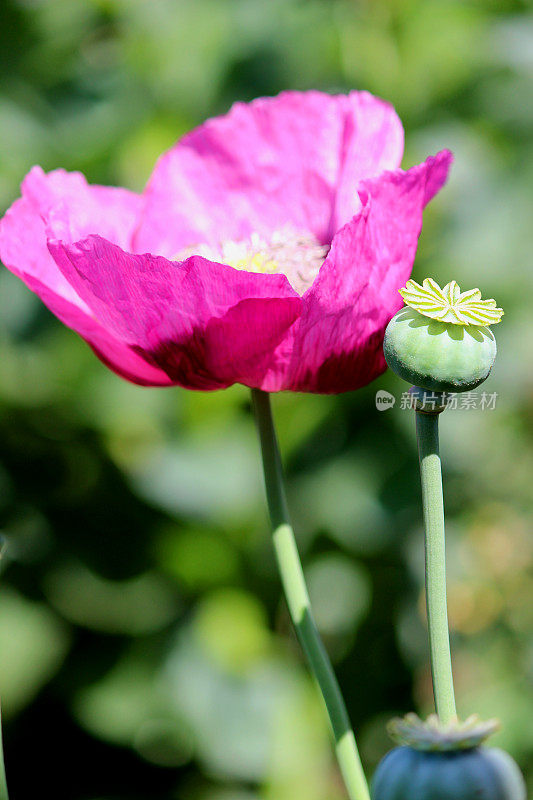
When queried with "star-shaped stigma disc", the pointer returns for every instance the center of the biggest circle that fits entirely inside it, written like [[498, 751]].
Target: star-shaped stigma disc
[[450, 304]]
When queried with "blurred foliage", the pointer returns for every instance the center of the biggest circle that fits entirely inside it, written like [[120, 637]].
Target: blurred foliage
[[145, 649]]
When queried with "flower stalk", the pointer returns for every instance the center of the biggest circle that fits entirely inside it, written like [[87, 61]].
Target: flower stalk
[[3, 782], [427, 431], [297, 596]]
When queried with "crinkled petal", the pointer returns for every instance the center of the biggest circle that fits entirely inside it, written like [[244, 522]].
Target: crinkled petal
[[338, 344], [205, 324], [72, 209], [62, 205], [292, 160], [117, 355]]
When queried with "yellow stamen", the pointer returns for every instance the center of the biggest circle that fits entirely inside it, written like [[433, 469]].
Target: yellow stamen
[[296, 255]]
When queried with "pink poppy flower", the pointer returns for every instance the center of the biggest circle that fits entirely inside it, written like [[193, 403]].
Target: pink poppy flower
[[267, 248]]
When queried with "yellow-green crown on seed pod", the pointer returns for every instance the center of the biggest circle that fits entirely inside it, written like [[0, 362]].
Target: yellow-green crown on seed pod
[[450, 304], [442, 340], [433, 735], [446, 762]]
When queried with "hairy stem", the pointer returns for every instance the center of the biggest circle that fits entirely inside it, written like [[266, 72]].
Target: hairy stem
[[427, 430], [293, 581]]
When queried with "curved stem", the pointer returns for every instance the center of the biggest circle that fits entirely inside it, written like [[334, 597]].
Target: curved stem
[[427, 430], [297, 596], [3, 783]]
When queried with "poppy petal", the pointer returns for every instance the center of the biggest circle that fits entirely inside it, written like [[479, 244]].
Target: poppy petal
[[205, 324], [338, 343], [292, 160]]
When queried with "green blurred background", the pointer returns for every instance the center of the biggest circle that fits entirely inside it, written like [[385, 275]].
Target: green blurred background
[[145, 651]]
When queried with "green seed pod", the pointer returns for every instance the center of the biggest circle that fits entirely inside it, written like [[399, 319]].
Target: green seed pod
[[446, 762], [442, 341], [480, 773]]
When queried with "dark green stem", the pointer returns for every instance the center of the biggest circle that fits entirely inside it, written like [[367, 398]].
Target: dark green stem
[[427, 429], [293, 581]]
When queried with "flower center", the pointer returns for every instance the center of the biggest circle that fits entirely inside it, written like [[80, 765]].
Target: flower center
[[298, 256]]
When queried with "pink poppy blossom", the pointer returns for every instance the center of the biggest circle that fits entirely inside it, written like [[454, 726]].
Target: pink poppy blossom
[[267, 248]]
